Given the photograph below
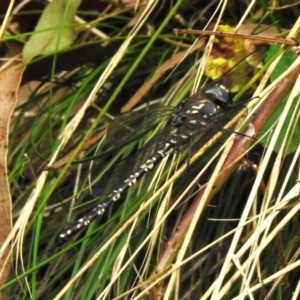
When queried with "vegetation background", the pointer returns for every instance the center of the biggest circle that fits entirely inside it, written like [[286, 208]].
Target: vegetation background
[[221, 222]]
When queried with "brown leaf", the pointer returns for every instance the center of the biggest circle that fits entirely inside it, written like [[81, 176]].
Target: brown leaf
[[10, 78]]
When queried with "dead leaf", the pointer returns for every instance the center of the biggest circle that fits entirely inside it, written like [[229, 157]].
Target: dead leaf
[[54, 31], [10, 79]]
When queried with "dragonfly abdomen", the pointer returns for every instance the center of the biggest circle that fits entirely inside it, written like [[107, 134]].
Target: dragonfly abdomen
[[101, 208]]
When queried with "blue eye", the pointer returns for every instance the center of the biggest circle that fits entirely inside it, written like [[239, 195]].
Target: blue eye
[[219, 95]]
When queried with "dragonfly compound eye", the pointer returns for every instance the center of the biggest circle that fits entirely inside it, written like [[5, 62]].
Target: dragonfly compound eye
[[219, 95]]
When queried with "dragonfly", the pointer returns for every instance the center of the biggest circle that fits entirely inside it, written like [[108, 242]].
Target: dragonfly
[[199, 117]]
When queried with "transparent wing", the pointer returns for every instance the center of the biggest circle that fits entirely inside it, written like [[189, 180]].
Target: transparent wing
[[126, 167], [131, 125], [123, 130]]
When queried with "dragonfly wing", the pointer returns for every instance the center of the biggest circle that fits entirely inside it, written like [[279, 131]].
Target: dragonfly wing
[[131, 125]]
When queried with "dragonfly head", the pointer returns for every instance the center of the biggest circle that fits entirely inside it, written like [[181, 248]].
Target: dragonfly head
[[220, 96]]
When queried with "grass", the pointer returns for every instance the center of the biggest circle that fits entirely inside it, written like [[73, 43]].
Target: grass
[[197, 228]]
